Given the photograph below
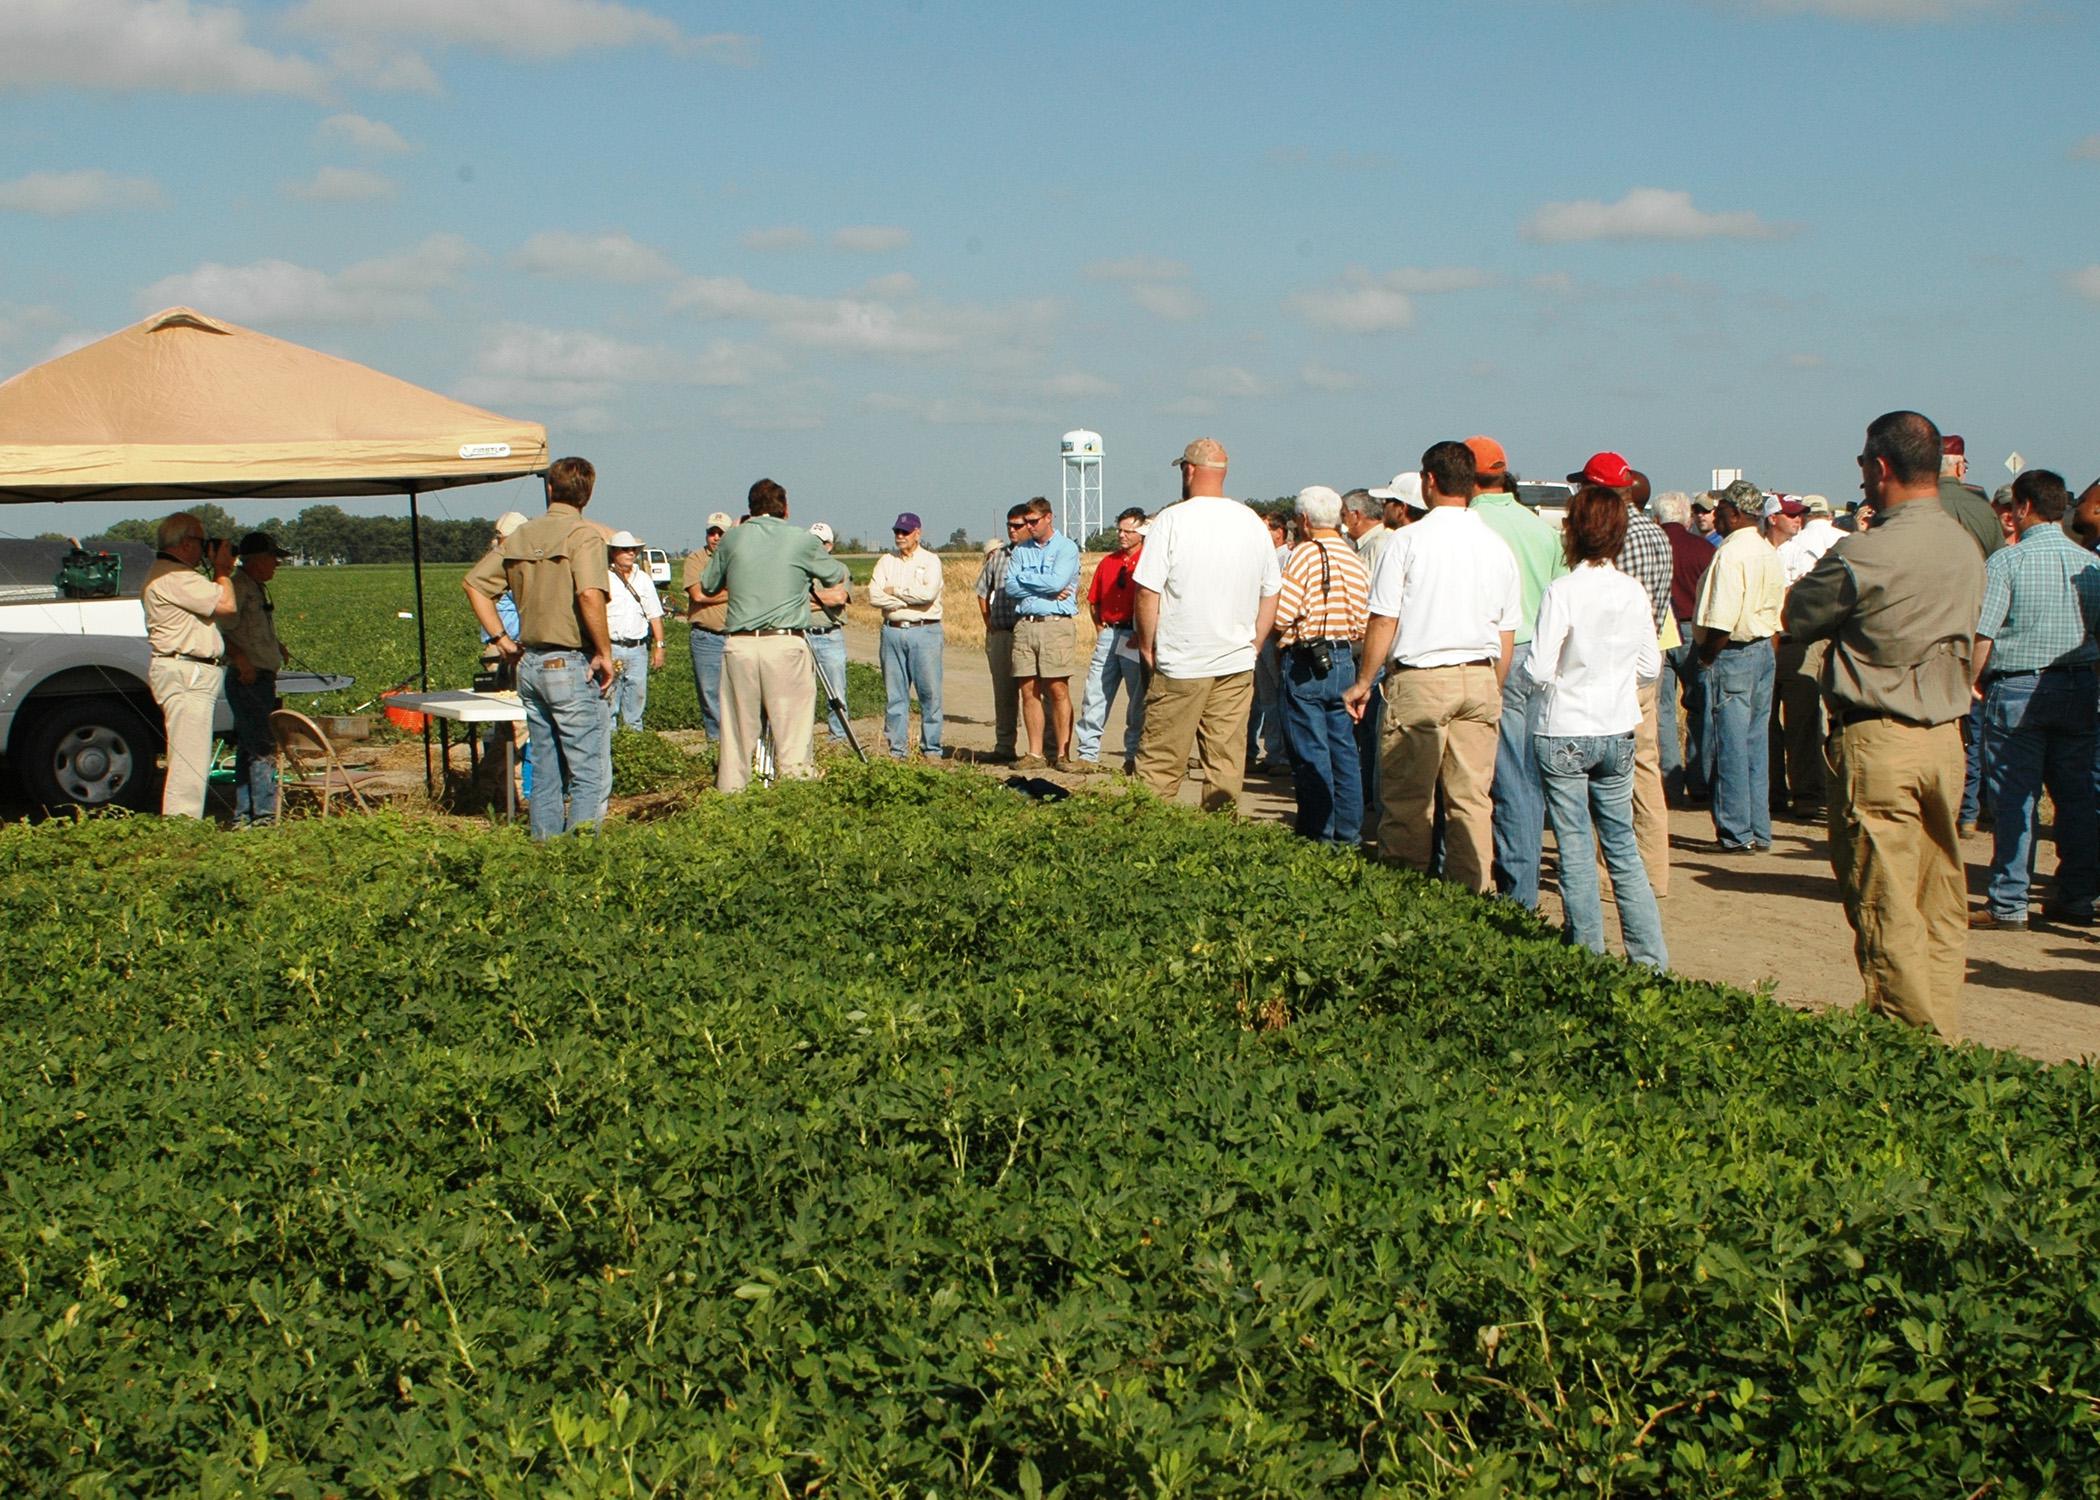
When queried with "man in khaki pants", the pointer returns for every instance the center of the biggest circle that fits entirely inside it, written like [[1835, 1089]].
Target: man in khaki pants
[[1445, 602], [1899, 606], [188, 664], [1207, 583]]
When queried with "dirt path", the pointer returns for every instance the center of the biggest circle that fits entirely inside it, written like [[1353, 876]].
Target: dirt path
[[1769, 921]]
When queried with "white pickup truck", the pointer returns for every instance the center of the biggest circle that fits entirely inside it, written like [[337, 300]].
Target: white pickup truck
[[77, 723]]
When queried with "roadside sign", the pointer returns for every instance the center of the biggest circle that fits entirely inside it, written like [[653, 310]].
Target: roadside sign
[[2015, 463]]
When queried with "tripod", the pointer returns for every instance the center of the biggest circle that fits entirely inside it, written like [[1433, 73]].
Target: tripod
[[834, 699]]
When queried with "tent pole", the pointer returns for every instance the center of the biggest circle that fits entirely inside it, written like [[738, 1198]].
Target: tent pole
[[415, 548]]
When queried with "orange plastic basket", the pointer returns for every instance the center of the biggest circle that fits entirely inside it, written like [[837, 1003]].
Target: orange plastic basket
[[408, 719]]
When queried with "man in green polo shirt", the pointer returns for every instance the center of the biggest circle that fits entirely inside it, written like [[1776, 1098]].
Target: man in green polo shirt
[[772, 570], [1520, 798]]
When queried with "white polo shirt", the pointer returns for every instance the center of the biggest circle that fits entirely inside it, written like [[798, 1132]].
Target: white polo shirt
[[1452, 585], [1211, 562]]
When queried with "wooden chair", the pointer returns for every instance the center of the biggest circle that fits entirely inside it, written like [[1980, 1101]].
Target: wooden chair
[[308, 762]]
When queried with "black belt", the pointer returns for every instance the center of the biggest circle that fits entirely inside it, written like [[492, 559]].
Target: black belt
[[543, 646], [1845, 718], [209, 661], [705, 631], [2076, 666], [907, 624], [823, 629], [770, 630], [640, 640], [1763, 640], [1327, 640]]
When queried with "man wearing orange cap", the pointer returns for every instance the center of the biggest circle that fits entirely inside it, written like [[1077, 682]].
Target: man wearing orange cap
[[1520, 798]]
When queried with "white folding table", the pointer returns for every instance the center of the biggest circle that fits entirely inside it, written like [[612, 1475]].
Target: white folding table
[[457, 706]]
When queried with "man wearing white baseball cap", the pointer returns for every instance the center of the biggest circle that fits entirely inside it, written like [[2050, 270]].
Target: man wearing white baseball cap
[[635, 617]]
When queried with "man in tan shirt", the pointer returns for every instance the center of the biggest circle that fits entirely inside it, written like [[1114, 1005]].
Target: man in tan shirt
[[1734, 624], [187, 669], [555, 568], [255, 654]]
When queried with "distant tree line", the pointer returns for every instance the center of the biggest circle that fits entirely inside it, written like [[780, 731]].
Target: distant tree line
[[328, 533]]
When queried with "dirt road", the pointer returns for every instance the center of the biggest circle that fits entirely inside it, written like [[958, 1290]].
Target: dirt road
[[1772, 920]]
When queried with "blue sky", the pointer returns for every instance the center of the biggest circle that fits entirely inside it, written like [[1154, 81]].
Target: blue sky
[[886, 254]]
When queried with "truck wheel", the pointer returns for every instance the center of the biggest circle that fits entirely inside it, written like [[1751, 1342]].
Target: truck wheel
[[91, 752]]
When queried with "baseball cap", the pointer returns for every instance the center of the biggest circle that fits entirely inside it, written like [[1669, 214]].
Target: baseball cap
[[509, 521], [1816, 505], [1704, 501], [1783, 505], [1951, 446], [1405, 488], [906, 521], [1744, 498], [261, 544], [719, 521], [821, 532], [1204, 453], [1607, 469], [1489, 461]]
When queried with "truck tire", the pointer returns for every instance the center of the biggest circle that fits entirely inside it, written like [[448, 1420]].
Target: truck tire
[[91, 752]]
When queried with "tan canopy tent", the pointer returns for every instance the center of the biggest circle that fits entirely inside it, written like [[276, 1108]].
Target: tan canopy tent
[[185, 407]]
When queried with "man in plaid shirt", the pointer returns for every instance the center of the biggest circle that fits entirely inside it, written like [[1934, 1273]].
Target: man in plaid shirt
[[998, 612]]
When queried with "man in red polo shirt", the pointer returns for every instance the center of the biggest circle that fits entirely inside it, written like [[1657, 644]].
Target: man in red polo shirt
[[1110, 599]]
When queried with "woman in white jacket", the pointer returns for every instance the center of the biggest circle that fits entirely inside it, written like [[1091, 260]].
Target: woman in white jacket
[[1593, 644]]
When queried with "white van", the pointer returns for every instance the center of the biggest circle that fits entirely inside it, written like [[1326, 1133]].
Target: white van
[[659, 566]]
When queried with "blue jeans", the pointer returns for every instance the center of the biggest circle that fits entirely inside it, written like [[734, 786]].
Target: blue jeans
[[566, 721], [829, 648], [707, 679], [1684, 771], [1738, 744], [254, 747], [2041, 730], [1324, 768], [1520, 804], [1976, 775], [631, 687], [1590, 779], [1107, 672], [1268, 737], [911, 662]]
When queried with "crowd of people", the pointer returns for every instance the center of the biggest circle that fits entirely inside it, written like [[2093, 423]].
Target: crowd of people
[[1444, 672]]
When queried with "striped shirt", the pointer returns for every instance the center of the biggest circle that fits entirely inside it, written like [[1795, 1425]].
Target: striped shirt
[[2041, 602], [1330, 604]]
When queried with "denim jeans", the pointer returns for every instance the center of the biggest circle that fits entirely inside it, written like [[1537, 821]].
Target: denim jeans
[[1108, 671], [1684, 771], [1520, 804], [911, 661], [1268, 736], [707, 679], [254, 747], [1738, 747], [631, 687], [1977, 774], [1589, 779], [1322, 737], [829, 648], [566, 720], [2041, 729]]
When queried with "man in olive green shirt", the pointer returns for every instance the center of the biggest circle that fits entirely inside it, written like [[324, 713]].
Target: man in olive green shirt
[[1899, 606], [772, 570]]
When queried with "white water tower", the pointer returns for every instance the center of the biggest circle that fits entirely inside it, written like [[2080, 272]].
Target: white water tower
[[1085, 512]]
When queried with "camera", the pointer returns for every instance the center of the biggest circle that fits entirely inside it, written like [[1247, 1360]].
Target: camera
[[1314, 658], [213, 544]]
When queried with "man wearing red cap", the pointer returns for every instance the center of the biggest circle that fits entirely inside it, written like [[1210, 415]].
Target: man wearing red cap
[[1963, 500], [1520, 799]]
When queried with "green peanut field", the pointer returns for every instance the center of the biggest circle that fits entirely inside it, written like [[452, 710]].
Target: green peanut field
[[895, 1135]]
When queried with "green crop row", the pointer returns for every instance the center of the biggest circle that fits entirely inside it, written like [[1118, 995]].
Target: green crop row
[[910, 1137]]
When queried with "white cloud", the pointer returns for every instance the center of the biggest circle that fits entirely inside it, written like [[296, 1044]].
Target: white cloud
[[611, 256], [388, 69], [343, 185], [1076, 385], [275, 291], [860, 324], [895, 284], [870, 239], [1137, 268], [1382, 302], [372, 137], [1229, 382], [519, 28], [781, 237], [1177, 304], [130, 45], [2087, 149], [946, 411], [581, 375], [1321, 378], [61, 195], [1907, 11], [1187, 406], [2086, 282], [774, 412], [1554, 283], [1643, 214]]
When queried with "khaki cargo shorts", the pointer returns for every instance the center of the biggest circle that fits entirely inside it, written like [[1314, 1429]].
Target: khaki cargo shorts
[[1043, 645]]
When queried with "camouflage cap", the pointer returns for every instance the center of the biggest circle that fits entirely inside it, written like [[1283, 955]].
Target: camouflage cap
[[1744, 498]]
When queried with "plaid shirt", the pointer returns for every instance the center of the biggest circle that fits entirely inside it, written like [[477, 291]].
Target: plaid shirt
[[1646, 555], [2041, 602], [991, 586]]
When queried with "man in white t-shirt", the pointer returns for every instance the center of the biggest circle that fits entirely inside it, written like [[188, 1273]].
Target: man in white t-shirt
[[1446, 600], [1207, 583]]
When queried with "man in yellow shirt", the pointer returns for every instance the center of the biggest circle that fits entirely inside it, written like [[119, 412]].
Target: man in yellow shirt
[[1735, 622]]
